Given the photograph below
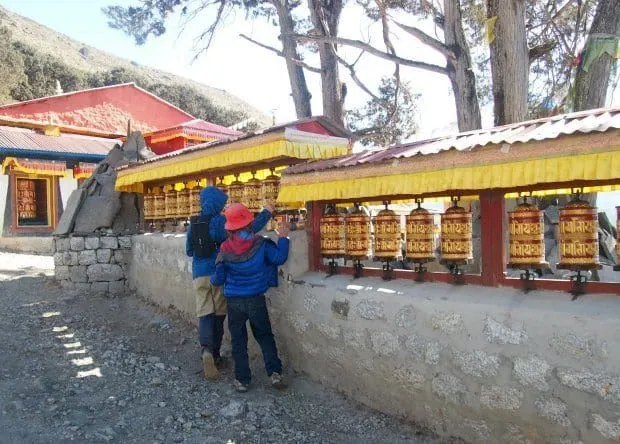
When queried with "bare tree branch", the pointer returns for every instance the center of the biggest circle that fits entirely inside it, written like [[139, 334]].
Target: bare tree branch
[[353, 74], [539, 51], [426, 39], [281, 54], [371, 50]]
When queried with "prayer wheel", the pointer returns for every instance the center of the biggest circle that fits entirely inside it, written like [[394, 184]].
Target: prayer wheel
[[271, 189], [527, 242], [456, 235], [171, 204], [357, 243], [159, 206], [235, 192], [420, 228], [149, 206], [252, 195], [183, 207], [332, 227], [222, 186], [26, 199], [194, 201], [578, 236], [387, 234]]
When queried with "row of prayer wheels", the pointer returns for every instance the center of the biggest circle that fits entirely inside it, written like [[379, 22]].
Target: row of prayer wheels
[[255, 194], [349, 236]]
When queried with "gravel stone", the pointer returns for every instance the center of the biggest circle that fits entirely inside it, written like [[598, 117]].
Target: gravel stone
[[370, 309]]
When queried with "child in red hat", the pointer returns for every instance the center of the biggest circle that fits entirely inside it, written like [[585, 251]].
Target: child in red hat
[[247, 266]]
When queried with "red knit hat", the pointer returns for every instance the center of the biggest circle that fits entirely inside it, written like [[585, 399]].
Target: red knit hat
[[237, 217]]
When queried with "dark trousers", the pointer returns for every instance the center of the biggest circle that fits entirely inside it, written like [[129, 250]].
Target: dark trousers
[[254, 309], [211, 332]]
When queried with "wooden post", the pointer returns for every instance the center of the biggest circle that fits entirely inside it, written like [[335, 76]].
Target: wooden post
[[313, 230], [492, 237]]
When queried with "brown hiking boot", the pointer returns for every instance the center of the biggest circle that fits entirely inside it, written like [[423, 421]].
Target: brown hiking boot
[[208, 366]]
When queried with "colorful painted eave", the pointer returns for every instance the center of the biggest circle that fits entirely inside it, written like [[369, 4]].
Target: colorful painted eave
[[240, 155], [574, 148]]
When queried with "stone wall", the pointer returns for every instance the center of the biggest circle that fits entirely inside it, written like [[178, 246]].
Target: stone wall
[[485, 364], [43, 245], [93, 264]]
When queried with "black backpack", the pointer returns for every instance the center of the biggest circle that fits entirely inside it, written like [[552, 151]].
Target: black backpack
[[202, 244]]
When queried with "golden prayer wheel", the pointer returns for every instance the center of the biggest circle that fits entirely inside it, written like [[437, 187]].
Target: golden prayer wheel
[[194, 201], [387, 234], [235, 192], [527, 241], [357, 243], [420, 227], [26, 199], [252, 195], [271, 189], [171, 204], [578, 236], [222, 186], [332, 227], [159, 206], [149, 206], [183, 207], [456, 235]]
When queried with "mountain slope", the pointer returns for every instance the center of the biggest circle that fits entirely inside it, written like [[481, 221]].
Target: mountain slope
[[86, 58]]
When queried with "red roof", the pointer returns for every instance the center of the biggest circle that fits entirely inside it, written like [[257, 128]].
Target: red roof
[[105, 109], [200, 128]]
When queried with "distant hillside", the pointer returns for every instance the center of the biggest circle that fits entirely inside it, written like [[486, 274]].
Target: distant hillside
[[45, 53]]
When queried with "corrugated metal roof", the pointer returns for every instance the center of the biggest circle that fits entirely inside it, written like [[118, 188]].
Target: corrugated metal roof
[[535, 130], [28, 140]]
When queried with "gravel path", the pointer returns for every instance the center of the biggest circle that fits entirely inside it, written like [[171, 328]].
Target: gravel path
[[88, 369]]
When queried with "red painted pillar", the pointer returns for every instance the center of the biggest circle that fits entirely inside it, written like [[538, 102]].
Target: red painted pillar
[[492, 237], [313, 230]]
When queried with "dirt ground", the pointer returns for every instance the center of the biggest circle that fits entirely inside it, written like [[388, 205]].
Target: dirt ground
[[79, 368]]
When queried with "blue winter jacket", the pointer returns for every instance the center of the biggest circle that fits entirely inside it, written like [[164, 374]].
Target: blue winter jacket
[[251, 273], [212, 202]]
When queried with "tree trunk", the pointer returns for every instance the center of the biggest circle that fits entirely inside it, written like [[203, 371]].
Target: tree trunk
[[509, 60], [297, 78], [325, 15], [591, 86], [459, 68]]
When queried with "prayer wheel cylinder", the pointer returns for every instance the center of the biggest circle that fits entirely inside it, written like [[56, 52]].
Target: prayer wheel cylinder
[[171, 204], [332, 227], [26, 199], [578, 236], [387, 235], [149, 203], [357, 235], [159, 206], [194, 201], [235, 192], [253, 195], [183, 207], [420, 228], [456, 235], [271, 189], [527, 242], [222, 186]]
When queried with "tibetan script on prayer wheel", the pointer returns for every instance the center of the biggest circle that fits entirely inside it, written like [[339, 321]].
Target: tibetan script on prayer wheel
[[357, 234], [271, 189], [527, 242], [420, 235], [387, 235], [235, 192], [149, 206], [578, 236], [252, 195], [26, 199], [183, 209], [332, 228], [171, 204], [194, 201], [159, 206], [456, 235]]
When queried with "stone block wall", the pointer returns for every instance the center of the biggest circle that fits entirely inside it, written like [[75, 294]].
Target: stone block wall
[[93, 264], [489, 365]]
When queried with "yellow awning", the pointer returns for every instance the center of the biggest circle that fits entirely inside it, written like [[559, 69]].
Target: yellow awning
[[587, 167], [40, 167], [233, 156]]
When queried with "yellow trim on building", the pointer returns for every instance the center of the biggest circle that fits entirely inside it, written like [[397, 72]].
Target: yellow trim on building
[[41, 167], [529, 173]]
